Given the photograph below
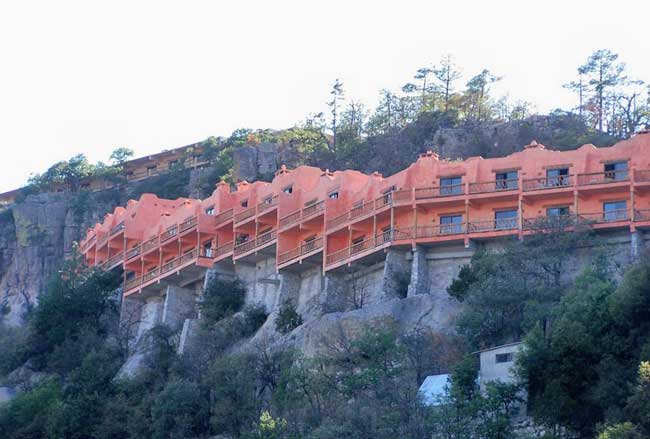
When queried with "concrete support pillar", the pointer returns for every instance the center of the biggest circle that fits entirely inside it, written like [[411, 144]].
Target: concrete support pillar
[[419, 273], [180, 304], [189, 331], [396, 274], [289, 288], [151, 315], [334, 297], [636, 245]]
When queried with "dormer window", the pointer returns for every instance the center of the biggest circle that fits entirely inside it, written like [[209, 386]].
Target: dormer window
[[288, 189], [209, 210], [244, 203], [334, 195]]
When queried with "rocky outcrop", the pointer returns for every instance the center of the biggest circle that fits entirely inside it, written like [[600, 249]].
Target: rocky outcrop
[[35, 237]]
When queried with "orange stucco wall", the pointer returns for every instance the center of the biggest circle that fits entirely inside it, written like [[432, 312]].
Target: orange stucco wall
[[344, 215]]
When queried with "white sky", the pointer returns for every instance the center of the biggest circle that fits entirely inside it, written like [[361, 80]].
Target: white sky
[[89, 76]]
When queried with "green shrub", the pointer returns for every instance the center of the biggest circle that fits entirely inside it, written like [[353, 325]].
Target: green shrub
[[288, 318], [253, 318], [221, 298]]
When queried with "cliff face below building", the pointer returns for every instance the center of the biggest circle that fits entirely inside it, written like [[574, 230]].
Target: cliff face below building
[[35, 237]]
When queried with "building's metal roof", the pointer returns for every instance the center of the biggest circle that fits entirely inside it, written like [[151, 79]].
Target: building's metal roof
[[434, 389]]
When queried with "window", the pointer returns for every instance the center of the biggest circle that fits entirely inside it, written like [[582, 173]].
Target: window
[[209, 210], [151, 170], [334, 195], [244, 203], [615, 210], [173, 163], [557, 211], [616, 171], [386, 233], [451, 224], [268, 200], [505, 219], [506, 180], [241, 239], [288, 190], [451, 185], [508, 357], [557, 177]]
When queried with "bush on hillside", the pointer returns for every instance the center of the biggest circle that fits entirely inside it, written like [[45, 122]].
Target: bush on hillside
[[221, 298]]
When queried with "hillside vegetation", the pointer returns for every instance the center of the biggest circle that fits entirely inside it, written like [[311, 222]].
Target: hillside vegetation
[[586, 361]]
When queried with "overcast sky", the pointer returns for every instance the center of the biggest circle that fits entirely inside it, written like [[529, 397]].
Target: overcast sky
[[90, 76]]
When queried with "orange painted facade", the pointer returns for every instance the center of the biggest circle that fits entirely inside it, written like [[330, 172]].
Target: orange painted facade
[[308, 216]]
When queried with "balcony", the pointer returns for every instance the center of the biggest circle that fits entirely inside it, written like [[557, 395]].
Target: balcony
[[118, 228], [168, 234], [534, 184], [244, 215], [178, 262], [642, 215], [254, 244], [304, 249], [150, 244], [603, 178], [605, 217], [363, 210], [303, 214], [132, 253], [403, 196], [267, 204], [426, 193], [493, 225], [494, 186], [360, 248], [113, 261], [223, 250], [189, 224], [223, 217], [642, 175]]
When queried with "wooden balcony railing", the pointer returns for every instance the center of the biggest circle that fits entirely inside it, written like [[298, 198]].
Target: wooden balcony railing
[[362, 246], [642, 215], [403, 196], [337, 256], [551, 221], [150, 244], [118, 228], [289, 255], [152, 274], [403, 233], [132, 283], [265, 238], [440, 230], [362, 210], [114, 260], [312, 210], [532, 184], [102, 240], [169, 234], [492, 225], [337, 221], [223, 217], [605, 217], [188, 224], [383, 200], [133, 252], [179, 261], [603, 177], [310, 246], [245, 214], [290, 219], [224, 249], [302, 249], [267, 204], [642, 175], [494, 186], [252, 244], [424, 193]]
